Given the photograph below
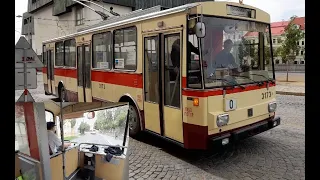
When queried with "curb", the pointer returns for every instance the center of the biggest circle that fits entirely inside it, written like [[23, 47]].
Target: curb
[[290, 93]]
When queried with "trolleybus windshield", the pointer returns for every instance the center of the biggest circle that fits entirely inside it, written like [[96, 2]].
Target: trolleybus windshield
[[234, 52]]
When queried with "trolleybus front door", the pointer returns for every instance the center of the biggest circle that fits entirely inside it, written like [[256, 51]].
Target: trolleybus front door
[[50, 75], [84, 73], [162, 103]]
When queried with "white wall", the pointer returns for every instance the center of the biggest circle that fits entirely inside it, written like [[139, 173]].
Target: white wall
[[57, 26]]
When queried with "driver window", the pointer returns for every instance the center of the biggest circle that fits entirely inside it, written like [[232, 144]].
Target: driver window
[[193, 58]]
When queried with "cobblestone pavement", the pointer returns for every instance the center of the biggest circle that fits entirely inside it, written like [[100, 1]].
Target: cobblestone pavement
[[275, 154]]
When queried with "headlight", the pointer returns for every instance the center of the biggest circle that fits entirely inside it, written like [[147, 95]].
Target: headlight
[[272, 107], [222, 120]]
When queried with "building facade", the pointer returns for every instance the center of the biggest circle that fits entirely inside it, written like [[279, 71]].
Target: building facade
[[47, 19], [277, 31]]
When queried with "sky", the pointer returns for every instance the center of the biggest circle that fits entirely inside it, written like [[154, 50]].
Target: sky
[[278, 9]]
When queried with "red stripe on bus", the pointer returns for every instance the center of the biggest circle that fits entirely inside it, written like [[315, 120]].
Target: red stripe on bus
[[123, 79], [217, 92], [184, 82], [44, 69], [72, 73]]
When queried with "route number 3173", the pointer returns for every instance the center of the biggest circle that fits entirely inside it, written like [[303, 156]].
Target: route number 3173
[[266, 95]]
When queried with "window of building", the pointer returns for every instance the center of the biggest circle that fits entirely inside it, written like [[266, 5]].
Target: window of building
[[295, 62], [102, 51], [297, 52], [277, 61], [70, 53], [302, 43], [59, 54], [301, 52], [79, 16], [298, 43], [274, 41], [125, 50], [301, 62]]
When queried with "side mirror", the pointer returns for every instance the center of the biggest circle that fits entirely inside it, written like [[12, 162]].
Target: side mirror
[[200, 30], [91, 115]]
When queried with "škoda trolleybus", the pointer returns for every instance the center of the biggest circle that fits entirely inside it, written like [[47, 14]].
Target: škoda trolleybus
[[96, 155], [192, 74]]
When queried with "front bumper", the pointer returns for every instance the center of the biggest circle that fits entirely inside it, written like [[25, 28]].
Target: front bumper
[[247, 131]]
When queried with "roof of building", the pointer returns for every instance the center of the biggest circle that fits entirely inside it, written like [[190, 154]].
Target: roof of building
[[277, 28]]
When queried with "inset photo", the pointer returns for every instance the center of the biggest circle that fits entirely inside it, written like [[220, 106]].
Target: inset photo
[[60, 140]]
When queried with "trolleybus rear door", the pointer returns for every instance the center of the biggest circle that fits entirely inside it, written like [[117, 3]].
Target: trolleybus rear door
[[84, 73], [151, 83]]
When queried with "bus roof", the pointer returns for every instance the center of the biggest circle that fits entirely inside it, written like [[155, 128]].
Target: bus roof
[[130, 18]]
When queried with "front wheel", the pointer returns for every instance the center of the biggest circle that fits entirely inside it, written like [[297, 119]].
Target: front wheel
[[134, 121]]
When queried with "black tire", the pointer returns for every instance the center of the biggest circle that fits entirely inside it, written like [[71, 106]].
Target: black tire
[[134, 121]]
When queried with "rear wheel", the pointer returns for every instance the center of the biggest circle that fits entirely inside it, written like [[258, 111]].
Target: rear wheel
[[134, 121]]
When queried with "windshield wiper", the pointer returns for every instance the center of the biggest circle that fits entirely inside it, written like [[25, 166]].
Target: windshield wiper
[[267, 78], [259, 83], [228, 82]]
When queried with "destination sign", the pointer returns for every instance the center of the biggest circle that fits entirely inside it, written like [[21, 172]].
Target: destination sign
[[240, 11]]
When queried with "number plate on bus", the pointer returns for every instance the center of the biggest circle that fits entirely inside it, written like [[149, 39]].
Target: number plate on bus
[[230, 104]]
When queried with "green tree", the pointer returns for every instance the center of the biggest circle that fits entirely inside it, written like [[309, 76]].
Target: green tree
[[243, 50], [104, 119], [73, 123], [84, 127], [292, 35]]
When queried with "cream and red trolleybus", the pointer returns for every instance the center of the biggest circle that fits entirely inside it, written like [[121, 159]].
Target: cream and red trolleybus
[[192, 74]]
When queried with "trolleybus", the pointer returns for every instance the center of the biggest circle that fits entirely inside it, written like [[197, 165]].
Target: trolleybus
[[192, 74]]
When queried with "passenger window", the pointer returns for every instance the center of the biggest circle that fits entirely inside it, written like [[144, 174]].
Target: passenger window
[[59, 54], [70, 53], [21, 136], [125, 50], [102, 54], [151, 63], [172, 59]]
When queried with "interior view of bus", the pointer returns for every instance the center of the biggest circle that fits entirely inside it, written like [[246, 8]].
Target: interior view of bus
[[93, 137]]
